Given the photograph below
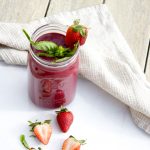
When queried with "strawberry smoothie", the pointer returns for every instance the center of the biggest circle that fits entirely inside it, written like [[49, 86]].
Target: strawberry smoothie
[[51, 84]]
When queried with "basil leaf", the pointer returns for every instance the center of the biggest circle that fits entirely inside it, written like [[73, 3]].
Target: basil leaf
[[45, 45], [44, 55], [62, 59], [24, 142], [51, 49], [26, 34], [42, 45], [60, 51]]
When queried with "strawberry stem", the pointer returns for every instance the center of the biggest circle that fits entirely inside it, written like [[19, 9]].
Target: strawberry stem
[[76, 22], [79, 28]]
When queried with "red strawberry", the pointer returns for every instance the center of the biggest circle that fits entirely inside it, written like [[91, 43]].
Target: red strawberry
[[42, 131], [64, 119], [76, 33], [72, 144]]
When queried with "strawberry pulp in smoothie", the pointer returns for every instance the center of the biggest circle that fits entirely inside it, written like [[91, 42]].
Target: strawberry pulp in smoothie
[[52, 85]]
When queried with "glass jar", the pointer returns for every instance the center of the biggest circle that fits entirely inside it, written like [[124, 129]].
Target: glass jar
[[51, 85]]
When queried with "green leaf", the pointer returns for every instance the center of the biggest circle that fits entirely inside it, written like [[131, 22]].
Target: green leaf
[[77, 28], [51, 49], [47, 121], [45, 45], [62, 59], [24, 142], [80, 28], [72, 52], [82, 142], [45, 54], [27, 35], [83, 32], [33, 136], [39, 148], [42, 45], [60, 52]]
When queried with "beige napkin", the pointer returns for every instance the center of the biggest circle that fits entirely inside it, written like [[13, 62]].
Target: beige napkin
[[106, 58]]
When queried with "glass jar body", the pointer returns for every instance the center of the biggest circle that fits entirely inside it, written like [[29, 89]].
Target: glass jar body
[[52, 85]]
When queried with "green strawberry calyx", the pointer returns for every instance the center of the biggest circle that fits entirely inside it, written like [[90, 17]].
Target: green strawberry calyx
[[34, 124], [82, 142], [79, 28], [62, 109]]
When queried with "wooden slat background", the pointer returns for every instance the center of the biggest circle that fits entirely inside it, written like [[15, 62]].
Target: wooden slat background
[[148, 66], [22, 10], [131, 16], [66, 5], [133, 19]]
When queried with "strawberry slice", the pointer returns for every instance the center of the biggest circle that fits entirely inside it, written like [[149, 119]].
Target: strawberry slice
[[76, 33], [64, 119], [42, 131], [72, 143]]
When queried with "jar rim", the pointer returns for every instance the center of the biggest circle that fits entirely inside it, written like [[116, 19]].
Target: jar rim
[[61, 29]]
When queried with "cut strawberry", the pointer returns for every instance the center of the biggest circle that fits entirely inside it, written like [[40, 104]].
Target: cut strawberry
[[72, 143], [76, 33], [64, 119], [42, 131]]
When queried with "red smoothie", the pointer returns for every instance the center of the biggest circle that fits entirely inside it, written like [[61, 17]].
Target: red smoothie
[[52, 85]]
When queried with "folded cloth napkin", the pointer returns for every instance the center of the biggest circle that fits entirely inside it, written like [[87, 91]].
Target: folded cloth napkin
[[106, 58]]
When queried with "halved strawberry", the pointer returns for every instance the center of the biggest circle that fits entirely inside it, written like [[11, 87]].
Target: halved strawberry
[[42, 131], [76, 33], [64, 119], [72, 143]]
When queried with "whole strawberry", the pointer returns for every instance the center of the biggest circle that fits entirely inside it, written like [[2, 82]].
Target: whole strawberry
[[76, 33], [72, 143], [42, 130], [64, 119]]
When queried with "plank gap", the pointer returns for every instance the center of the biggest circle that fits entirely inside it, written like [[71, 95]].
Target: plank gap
[[47, 8], [147, 56], [104, 1]]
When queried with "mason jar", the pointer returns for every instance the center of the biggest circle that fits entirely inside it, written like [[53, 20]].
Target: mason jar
[[51, 85]]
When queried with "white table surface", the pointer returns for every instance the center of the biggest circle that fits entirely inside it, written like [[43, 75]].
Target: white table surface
[[101, 119]]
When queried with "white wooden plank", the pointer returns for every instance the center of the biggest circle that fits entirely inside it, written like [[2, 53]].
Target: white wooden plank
[[22, 10], [148, 68], [66, 5], [148, 71], [133, 19]]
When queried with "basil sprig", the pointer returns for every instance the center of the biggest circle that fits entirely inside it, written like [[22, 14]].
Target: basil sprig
[[25, 144], [51, 49]]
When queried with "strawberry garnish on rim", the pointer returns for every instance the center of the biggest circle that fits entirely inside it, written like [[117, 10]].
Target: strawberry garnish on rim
[[64, 119], [72, 143], [42, 130], [76, 33]]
